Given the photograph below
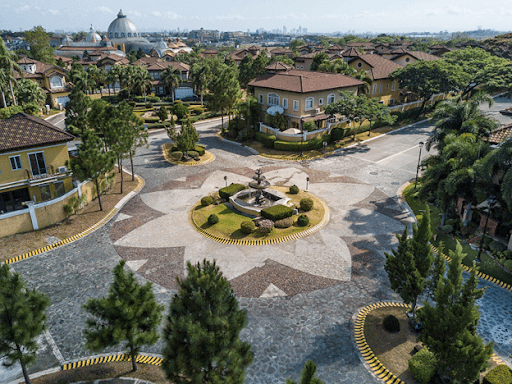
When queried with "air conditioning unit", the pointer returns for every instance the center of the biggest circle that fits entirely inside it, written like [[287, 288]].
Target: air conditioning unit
[[62, 169], [317, 110]]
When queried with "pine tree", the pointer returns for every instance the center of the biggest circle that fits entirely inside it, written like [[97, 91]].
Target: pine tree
[[307, 375], [202, 331], [77, 110], [186, 139], [438, 270], [422, 251], [162, 113], [129, 314], [22, 319], [449, 328], [403, 275]]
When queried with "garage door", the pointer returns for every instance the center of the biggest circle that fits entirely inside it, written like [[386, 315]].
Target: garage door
[[63, 100], [181, 92]]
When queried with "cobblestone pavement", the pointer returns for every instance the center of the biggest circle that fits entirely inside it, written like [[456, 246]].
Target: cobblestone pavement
[[284, 331]]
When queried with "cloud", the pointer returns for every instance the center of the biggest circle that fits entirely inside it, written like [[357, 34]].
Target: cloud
[[106, 10], [136, 14], [156, 13], [22, 9], [172, 15], [53, 11]]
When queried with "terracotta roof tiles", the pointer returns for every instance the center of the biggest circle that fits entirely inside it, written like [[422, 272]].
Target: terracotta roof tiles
[[380, 67]]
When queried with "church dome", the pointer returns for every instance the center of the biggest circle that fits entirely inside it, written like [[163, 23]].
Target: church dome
[[122, 28], [93, 37], [67, 40], [161, 44]]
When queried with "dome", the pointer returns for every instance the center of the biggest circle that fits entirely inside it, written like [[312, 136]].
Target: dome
[[67, 40], [161, 45], [93, 37], [122, 28]]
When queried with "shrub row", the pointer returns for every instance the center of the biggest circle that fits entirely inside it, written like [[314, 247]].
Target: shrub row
[[277, 212], [423, 366], [501, 374], [230, 190], [296, 146], [265, 138]]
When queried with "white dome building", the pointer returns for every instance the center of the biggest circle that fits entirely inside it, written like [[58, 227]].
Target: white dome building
[[93, 37], [123, 28]]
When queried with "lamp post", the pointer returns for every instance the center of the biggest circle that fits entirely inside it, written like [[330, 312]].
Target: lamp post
[[370, 130], [301, 138], [420, 144], [226, 180], [307, 184], [490, 203]]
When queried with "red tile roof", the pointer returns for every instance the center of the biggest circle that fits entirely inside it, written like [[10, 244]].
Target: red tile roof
[[380, 67], [304, 81], [25, 131], [419, 55], [352, 52], [278, 66], [501, 134]]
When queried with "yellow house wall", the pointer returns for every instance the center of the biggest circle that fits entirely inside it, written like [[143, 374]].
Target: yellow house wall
[[16, 224], [402, 60]]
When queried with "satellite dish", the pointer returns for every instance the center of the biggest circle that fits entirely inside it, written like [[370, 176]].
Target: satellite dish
[[275, 109]]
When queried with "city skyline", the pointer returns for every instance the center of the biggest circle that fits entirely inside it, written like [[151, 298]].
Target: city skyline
[[225, 15]]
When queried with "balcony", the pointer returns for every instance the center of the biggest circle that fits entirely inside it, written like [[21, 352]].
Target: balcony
[[48, 175]]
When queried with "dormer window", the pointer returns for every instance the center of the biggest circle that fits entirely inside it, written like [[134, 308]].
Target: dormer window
[[56, 82]]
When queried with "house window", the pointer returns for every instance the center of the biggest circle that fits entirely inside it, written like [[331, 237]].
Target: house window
[[56, 82], [330, 98], [115, 34], [380, 88], [45, 192], [374, 89], [59, 188], [387, 85], [295, 105], [37, 163], [301, 67], [260, 99], [309, 103], [160, 89], [320, 101], [129, 34], [393, 86], [297, 67], [285, 103], [15, 162], [273, 99], [391, 102], [407, 60], [359, 65]]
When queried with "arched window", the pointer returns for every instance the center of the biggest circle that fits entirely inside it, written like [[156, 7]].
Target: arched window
[[273, 99], [122, 34], [56, 82], [129, 34], [309, 103], [115, 34], [330, 98]]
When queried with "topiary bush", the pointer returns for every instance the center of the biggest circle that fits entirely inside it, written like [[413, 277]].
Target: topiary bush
[[306, 204], [508, 265], [265, 226], [294, 190], [199, 150], [285, 223], [213, 219], [277, 212], [193, 154], [501, 374], [423, 366], [206, 201], [266, 139], [176, 155], [303, 220], [149, 105], [391, 324], [226, 192], [247, 226], [447, 228]]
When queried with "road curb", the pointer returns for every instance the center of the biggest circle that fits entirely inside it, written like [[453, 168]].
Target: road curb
[[149, 359]]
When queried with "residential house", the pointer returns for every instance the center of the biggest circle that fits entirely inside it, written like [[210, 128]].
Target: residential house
[[281, 52], [350, 54], [156, 66], [33, 154], [365, 46], [410, 57], [209, 53], [103, 60], [238, 55], [303, 95], [439, 50], [51, 78], [383, 87]]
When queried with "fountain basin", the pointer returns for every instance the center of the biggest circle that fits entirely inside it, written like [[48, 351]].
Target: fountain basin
[[243, 201]]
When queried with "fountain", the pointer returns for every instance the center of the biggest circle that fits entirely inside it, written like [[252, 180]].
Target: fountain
[[257, 197]]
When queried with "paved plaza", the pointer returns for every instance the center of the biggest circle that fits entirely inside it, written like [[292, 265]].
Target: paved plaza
[[299, 295]]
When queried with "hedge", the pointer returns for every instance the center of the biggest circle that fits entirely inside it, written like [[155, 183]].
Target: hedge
[[501, 374], [340, 133], [199, 150], [277, 212], [296, 146], [267, 139], [230, 190], [423, 366]]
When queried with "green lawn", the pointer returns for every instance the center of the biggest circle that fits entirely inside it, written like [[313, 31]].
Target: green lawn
[[487, 264]]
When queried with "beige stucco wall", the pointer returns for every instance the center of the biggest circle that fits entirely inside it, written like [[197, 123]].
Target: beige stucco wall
[[16, 224]]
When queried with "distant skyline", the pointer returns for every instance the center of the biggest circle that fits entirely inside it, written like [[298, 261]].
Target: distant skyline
[[321, 16]]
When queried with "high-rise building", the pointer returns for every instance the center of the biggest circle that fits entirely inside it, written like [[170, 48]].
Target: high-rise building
[[304, 31], [284, 29], [299, 31]]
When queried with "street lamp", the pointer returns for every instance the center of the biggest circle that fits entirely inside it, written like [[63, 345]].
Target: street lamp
[[307, 184], [420, 144], [370, 130], [301, 138], [226, 180], [488, 205]]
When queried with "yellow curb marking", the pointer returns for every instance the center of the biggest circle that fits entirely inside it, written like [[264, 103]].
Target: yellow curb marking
[[209, 158], [151, 360]]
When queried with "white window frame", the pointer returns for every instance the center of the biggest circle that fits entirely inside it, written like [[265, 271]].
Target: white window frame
[[311, 101], [393, 86], [374, 89], [16, 160], [30, 163], [285, 103], [380, 88], [260, 98], [329, 97], [273, 99], [320, 101], [295, 105]]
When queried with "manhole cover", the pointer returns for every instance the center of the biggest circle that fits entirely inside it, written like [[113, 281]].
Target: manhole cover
[[374, 173]]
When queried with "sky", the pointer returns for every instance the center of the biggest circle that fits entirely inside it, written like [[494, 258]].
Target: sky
[[322, 16]]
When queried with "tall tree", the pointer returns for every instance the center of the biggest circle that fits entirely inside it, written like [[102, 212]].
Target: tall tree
[[142, 81], [187, 137], [225, 89], [308, 375], [129, 314], [245, 71], [438, 270], [77, 109], [353, 107], [259, 64], [200, 73], [403, 274], [420, 243], [318, 60], [22, 320], [172, 79], [202, 343], [92, 161], [39, 42], [8, 62], [449, 327], [28, 91]]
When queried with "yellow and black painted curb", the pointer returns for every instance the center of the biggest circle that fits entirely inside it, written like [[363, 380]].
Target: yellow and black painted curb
[[70, 239], [209, 157], [150, 360], [371, 361], [276, 240]]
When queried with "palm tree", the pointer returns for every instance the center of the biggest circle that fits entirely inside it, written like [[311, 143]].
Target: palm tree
[[9, 64], [113, 76], [172, 79], [142, 81], [29, 91], [5, 76], [127, 76], [366, 78], [200, 74], [499, 163]]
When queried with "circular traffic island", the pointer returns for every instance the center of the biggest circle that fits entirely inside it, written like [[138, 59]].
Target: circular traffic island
[[199, 156], [301, 215]]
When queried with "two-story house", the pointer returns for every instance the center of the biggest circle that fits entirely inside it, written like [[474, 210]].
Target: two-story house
[[51, 78], [303, 95], [409, 57], [156, 66], [382, 87], [33, 154]]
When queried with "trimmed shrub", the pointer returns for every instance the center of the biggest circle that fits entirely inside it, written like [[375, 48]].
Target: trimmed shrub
[[266, 139], [213, 219], [339, 133], [309, 126], [247, 226], [303, 220], [391, 324], [508, 265], [207, 200], [294, 190], [199, 150], [295, 146], [180, 111], [153, 99], [423, 366], [177, 155], [501, 374], [149, 105], [132, 104], [451, 222], [193, 154], [31, 108], [226, 192], [306, 204], [496, 247], [265, 226], [285, 223], [197, 110], [277, 212], [447, 228]]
